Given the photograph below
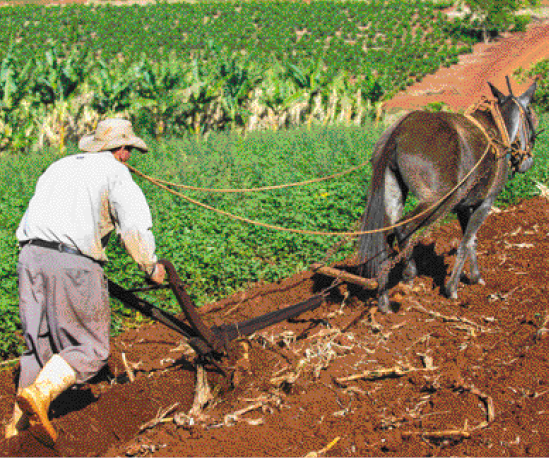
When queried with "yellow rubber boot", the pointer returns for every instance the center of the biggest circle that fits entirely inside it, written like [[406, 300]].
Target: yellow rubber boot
[[54, 378], [19, 422]]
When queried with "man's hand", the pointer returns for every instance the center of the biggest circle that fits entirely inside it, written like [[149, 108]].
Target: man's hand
[[159, 273]]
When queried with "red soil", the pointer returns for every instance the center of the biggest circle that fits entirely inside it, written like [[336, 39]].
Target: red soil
[[466, 377], [478, 368]]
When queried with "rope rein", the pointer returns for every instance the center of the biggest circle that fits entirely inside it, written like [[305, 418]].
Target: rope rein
[[493, 145], [243, 190]]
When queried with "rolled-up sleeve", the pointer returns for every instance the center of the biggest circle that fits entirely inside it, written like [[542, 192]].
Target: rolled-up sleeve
[[132, 214]]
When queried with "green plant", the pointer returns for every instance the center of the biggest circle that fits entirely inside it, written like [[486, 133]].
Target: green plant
[[111, 86], [539, 71], [239, 77], [58, 75], [158, 92], [497, 15], [14, 87]]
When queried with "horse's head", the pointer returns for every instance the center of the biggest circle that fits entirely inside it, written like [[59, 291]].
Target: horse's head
[[520, 123]]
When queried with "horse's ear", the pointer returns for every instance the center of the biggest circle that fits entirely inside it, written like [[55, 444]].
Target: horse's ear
[[526, 98], [497, 93]]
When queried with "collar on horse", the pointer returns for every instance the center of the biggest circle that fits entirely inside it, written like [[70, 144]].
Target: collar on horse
[[501, 147]]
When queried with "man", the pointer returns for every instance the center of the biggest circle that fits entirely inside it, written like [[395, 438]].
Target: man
[[63, 297]]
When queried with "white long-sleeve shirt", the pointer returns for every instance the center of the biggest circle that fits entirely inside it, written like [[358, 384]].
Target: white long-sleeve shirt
[[79, 200]]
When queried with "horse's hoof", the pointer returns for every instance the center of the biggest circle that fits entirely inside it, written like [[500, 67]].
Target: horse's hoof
[[450, 294], [383, 305], [409, 274]]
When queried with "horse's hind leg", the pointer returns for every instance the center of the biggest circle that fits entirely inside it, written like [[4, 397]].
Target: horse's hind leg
[[395, 195], [399, 194], [467, 247], [410, 269], [464, 216]]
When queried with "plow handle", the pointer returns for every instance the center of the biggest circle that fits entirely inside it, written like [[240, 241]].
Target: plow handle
[[190, 310]]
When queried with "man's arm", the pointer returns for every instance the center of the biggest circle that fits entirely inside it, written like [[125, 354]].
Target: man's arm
[[131, 212]]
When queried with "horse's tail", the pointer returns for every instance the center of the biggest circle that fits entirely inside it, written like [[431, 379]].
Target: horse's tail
[[372, 247]]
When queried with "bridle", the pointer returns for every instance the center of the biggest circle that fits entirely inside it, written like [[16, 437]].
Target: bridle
[[526, 135], [514, 151], [517, 154]]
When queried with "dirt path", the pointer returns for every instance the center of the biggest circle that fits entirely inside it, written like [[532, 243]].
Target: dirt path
[[467, 377], [463, 83]]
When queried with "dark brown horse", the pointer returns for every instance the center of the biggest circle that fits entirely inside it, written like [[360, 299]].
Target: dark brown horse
[[450, 162]]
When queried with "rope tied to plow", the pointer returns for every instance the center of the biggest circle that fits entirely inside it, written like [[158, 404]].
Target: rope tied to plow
[[245, 190], [493, 144]]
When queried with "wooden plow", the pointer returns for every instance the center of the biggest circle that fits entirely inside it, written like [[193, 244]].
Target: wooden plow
[[211, 344]]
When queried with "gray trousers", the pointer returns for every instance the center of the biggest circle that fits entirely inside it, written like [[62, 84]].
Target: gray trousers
[[64, 309]]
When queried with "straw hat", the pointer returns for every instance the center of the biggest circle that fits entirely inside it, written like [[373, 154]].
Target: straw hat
[[111, 134]]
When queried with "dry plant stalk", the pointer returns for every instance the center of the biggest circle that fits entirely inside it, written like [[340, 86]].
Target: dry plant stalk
[[129, 370], [396, 371], [322, 451], [446, 433], [322, 351], [262, 403], [442, 434], [269, 342], [488, 401], [160, 417], [202, 394], [183, 419], [231, 418], [287, 376], [544, 329], [451, 319]]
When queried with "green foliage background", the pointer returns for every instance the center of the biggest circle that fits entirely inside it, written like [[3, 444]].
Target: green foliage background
[[539, 70], [189, 68], [500, 15], [353, 35]]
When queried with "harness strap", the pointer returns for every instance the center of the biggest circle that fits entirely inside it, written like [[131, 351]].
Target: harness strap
[[502, 147]]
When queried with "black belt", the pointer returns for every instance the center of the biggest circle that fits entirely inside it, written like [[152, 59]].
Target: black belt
[[62, 248]]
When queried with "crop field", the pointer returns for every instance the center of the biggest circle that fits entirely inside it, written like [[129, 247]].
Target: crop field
[[192, 68], [355, 37]]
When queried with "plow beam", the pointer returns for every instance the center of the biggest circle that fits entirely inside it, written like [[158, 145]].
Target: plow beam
[[367, 283]]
